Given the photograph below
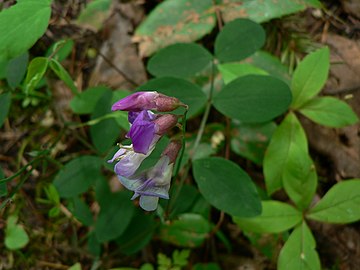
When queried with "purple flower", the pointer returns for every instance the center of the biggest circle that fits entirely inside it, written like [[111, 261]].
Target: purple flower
[[154, 183], [147, 101], [128, 160], [147, 128]]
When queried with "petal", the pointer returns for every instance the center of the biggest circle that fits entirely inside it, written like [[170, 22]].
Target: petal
[[118, 154], [131, 184], [128, 165], [155, 191], [136, 102], [149, 203]]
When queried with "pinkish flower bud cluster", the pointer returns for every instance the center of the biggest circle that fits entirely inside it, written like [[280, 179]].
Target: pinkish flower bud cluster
[[146, 128]]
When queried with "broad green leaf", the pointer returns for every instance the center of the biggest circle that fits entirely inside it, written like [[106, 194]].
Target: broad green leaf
[[235, 193], [35, 73], [231, 71], [21, 25], [238, 40], [263, 10], [16, 69], [5, 102], [15, 235], [81, 211], [329, 111], [93, 245], [299, 251], [179, 60], [104, 133], [94, 14], [310, 77], [76, 266], [299, 176], [187, 196], [63, 75], [187, 92], [287, 134], [276, 217], [85, 102], [3, 186], [114, 218], [77, 176], [3, 66], [270, 64], [253, 98], [251, 140], [340, 204], [175, 21], [137, 234], [190, 230], [207, 266]]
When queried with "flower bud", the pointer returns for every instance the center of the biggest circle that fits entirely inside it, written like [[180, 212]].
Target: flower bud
[[165, 122], [172, 150]]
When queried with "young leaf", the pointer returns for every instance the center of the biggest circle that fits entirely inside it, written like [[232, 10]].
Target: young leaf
[[179, 60], [175, 21], [77, 176], [340, 204], [16, 69], [86, 101], [253, 98], [61, 49], [35, 73], [104, 133], [235, 192], [239, 39], [299, 176], [190, 230], [263, 10], [5, 101], [15, 235], [21, 25], [288, 133], [310, 77], [299, 251], [187, 92], [329, 111], [61, 72], [275, 217], [231, 71]]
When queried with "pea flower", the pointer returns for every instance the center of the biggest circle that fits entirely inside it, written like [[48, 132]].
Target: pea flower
[[154, 183], [147, 128], [147, 100]]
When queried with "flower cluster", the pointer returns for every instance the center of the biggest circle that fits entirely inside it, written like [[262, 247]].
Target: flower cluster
[[146, 128]]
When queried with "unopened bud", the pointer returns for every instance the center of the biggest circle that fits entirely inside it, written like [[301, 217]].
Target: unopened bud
[[172, 150], [165, 122]]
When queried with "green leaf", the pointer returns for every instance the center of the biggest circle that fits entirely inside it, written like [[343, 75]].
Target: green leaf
[[5, 102], [329, 111], [76, 266], [180, 258], [35, 73], [94, 14], [114, 217], [299, 176], [276, 217], [93, 245], [253, 98], [251, 140], [85, 102], [61, 49], [175, 21], [81, 211], [310, 77], [15, 235], [190, 230], [299, 252], [270, 64], [287, 134], [105, 133], [263, 10], [137, 234], [22, 25], [187, 196], [179, 60], [187, 92], [340, 204], [238, 40], [16, 69], [235, 192], [3, 186], [61, 72], [77, 176], [231, 71], [207, 266]]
